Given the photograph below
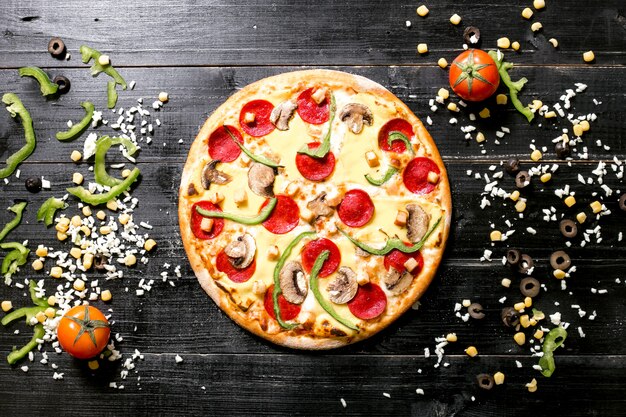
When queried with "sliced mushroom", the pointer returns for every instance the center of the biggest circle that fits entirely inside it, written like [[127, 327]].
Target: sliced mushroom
[[417, 223], [241, 251], [319, 206], [282, 113], [293, 282], [354, 115], [210, 174], [397, 281], [344, 287], [261, 180]]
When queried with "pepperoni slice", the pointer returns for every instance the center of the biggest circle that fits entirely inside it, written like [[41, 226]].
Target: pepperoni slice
[[236, 275], [313, 249], [221, 145], [196, 220], [288, 311], [396, 259], [415, 175], [310, 111], [284, 217], [369, 302], [261, 125], [315, 169], [356, 209], [394, 125]]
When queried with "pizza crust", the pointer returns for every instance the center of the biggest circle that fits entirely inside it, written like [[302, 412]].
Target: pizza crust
[[432, 255]]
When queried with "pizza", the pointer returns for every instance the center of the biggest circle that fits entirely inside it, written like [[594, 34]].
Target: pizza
[[314, 208]]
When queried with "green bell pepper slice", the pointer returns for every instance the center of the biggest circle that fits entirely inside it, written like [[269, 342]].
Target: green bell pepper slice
[[18, 209], [102, 147], [514, 87], [392, 243], [48, 209], [279, 266], [111, 94], [96, 199], [391, 171], [14, 259], [552, 341], [317, 266], [395, 136], [78, 129], [46, 85], [256, 158], [259, 218], [15, 107], [324, 148], [87, 54]]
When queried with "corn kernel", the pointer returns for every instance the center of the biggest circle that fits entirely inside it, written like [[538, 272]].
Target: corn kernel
[[528, 302], [536, 155], [85, 230], [87, 260], [41, 317], [37, 265], [410, 264], [519, 306], [106, 295], [104, 60], [546, 177], [538, 334], [443, 93], [372, 159], [514, 195], [61, 236], [484, 113], [259, 287], [77, 178], [554, 42], [498, 378], [130, 260], [123, 218], [480, 137], [79, 285], [75, 253], [101, 215], [506, 283], [451, 337], [86, 211], [550, 114], [532, 385], [495, 236], [501, 99], [105, 230], [61, 227], [504, 43], [515, 46], [539, 4], [164, 97], [466, 303], [76, 156], [6, 305], [520, 338], [112, 205], [536, 26], [570, 201], [471, 351], [536, 104], [520, 206], [558, 274], [433, 177], [455, 19], [589, 56], [422, 48], [452, 107], [56, 272], [596, 207], [578, 130], [422, 11], [581, 217], [149, 245], [41, 251], [76, 221], [585, 125], [273, 253], [50, 312], [126, 173], [527, 13], [401, 218], [443, 63], [52, 300], [93, 365]]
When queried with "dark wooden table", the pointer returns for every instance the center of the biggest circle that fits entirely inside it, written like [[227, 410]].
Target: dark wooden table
[[201, 53]]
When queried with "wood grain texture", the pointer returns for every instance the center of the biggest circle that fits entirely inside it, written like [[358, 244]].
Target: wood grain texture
[[202, 52]]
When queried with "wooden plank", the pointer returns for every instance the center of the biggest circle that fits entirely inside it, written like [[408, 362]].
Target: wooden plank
[[304, 384], [159, 32]]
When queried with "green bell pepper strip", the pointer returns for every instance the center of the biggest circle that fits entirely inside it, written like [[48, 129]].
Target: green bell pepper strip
[[96, 199], [99, 167], [14, 259], [395, 135], [259, 218], [78, 129], [256, 158], [392, 243], [553, 340], [111, 94], [46, 85], [18, 209], [88, 54], [48, 209], [324, 148], [391, 171], [317, 266], [40, 305], [17, 108], [514, 87], [279, 266]]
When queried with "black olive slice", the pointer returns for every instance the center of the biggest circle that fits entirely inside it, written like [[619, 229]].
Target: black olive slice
[[568, 228], [510, 317], [485, 381], [33, 184], [475, 311], [56, 47], [529, 287], [560, 260], [63, 83]]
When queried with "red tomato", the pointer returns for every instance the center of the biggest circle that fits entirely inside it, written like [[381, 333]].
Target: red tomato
[[474, 75], [83, 332]]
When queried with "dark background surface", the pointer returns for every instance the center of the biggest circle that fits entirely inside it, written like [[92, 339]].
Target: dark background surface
[[201, 52]]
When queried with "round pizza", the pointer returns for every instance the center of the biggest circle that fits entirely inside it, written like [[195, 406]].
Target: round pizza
[[314, 208]]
